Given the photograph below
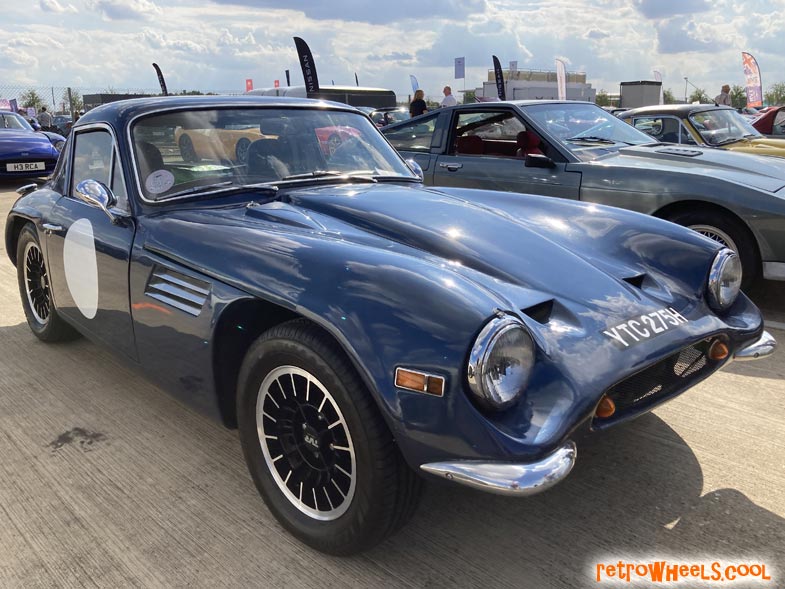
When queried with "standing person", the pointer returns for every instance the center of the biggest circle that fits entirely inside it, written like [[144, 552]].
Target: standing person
[[418, 106], [45, 119], [449, 99], [723, 98]]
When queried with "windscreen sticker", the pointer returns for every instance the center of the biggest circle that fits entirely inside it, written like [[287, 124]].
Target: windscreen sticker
[[159, 181], [645, 327]]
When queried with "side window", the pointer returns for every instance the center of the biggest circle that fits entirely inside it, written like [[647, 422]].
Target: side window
[[494, 133], [778, 127], [649, 125], [92, 158], [60, 175], [414, 137], [686, 136], [118, 185]]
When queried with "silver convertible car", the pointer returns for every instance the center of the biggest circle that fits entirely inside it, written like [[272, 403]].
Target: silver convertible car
[[579, 151]]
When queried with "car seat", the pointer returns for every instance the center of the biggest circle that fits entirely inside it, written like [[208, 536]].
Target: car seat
[[150, 158], [469, 145], [265, 160], [528, 143]]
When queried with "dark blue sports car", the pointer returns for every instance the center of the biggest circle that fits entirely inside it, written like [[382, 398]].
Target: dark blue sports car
[[24, 152], [359, 329]]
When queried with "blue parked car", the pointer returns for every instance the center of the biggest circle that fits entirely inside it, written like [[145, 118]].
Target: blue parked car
[[361, 330], [25, 152]]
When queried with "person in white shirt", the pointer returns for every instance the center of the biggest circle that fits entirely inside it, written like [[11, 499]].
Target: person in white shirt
[[44, 119], [723, 98], [449, 99]]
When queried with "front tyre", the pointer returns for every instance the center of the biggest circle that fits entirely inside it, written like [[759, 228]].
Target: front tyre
[[36, 292], [728, 232], [316, 446]]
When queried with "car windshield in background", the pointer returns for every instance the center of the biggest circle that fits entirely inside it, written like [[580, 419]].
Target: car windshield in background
[[9, 120], [721, 126], [199, 151], [587, 132]]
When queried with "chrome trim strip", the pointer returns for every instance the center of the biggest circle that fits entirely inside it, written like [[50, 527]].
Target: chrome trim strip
[[762, 347], [518, 480], [774, 270]]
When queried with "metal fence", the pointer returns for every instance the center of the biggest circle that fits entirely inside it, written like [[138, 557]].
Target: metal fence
[[64, 99]]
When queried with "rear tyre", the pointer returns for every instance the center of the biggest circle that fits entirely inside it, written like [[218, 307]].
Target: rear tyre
[[187, 150], [316, 446], [35, 290], [729, 232]]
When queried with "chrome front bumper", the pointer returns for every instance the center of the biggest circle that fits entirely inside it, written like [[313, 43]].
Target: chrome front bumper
[[762, 347], [504, 478]]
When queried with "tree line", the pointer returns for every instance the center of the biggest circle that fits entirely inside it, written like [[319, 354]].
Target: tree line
[[775, 94]]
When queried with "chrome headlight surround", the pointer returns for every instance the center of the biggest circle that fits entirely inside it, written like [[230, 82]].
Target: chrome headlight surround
[[724, 280], [58, 145], [500, 363]]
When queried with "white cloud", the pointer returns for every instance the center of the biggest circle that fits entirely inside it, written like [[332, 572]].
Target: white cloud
[[125, 9], [55, 6]]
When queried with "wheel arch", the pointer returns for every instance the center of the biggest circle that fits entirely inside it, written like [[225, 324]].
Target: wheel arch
[[14, 226], [683, 206], [238, 327]]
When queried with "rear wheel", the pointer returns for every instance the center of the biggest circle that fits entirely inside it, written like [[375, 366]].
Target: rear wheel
[[36, 292], [187, 150], [317, 448], [729, 232]]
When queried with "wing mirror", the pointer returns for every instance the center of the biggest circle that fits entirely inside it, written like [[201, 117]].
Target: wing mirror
[[416, 168], [536, 160], [27, 188], [97, 194]]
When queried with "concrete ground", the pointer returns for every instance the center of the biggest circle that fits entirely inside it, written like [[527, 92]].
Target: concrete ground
[[106, 481]]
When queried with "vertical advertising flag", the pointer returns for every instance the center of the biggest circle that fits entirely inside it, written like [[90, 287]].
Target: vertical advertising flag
[[415, 84], [497, 70], [276, 83], [161, 80], [307, 65], [288, 81], [561, 79], [658, 78], [248, 84], [752, 75], [460, 68]]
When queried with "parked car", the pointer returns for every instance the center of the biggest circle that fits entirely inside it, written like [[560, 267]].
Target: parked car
[[547, 148], [62, 124], [771, 123], [359, 329], [25, 152], [386, 116], [703, 124]]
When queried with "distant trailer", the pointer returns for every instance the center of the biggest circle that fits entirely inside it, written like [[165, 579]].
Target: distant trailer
[[352, 95], [635, 94]]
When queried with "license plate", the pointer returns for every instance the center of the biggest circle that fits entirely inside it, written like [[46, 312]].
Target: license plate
[[25, 167]]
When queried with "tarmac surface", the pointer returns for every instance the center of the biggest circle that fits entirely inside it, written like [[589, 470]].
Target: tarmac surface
[[107, 481]]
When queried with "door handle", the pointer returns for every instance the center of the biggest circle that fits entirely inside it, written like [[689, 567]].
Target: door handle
[[451, 167], [49, 228]]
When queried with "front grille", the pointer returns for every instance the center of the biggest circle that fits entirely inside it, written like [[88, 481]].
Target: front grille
[[663, 380]]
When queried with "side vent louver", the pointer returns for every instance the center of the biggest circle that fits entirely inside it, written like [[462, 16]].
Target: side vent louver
[[541, 312], [636, 281], [178, 290]]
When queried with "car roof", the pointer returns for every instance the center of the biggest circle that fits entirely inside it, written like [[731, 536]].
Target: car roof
[[679, 110], [122, 111]]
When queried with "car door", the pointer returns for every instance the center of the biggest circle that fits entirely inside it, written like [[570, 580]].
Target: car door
[[421, 140], [88, 252], [486, 149]]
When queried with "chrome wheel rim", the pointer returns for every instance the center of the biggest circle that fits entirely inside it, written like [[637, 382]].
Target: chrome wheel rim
[[36, 283], [306, 443], [717, 235], [241, 150]]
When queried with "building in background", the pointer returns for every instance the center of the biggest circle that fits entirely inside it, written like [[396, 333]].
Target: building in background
[[537, 85]]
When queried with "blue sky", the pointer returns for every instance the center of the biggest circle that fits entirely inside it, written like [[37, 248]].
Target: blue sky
[[216, 44]]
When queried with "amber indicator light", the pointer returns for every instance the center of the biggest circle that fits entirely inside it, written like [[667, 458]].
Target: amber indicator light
[[718, 350], [606, 408], [419, 381]]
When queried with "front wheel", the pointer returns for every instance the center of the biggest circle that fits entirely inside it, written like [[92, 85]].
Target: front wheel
[[728, 232], [36, 292], [316, 446]]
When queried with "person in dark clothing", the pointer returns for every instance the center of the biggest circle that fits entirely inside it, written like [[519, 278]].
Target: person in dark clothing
[[418, 106]]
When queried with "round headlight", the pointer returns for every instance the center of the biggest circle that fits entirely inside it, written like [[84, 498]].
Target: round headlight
[[724, 280], [59, 146], [500, 363]]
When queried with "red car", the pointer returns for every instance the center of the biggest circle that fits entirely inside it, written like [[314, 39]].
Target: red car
[[772, 122]]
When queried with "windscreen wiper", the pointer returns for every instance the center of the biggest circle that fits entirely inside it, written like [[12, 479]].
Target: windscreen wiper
[[591, 139], [223, 188], [332, 175]]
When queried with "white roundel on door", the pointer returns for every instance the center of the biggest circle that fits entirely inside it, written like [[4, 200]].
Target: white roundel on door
[[81, 267]]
